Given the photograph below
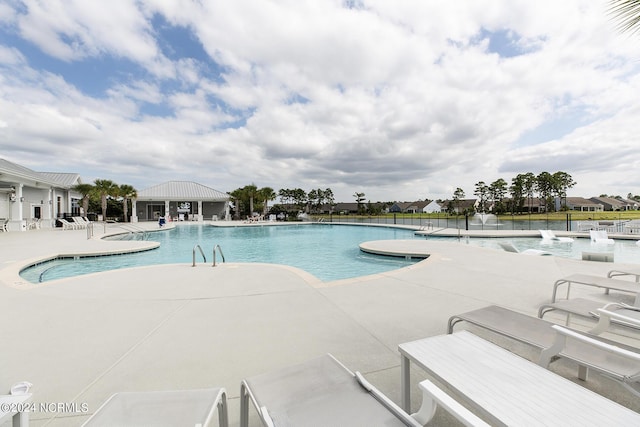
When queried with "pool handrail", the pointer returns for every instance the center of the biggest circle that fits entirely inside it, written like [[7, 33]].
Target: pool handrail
[[197, 246], [214, 254]]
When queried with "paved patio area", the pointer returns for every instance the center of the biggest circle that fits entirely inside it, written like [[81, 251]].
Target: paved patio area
[[79, 340]]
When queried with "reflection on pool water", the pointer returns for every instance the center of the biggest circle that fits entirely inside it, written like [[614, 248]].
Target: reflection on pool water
[[624, 251], [329, 252]]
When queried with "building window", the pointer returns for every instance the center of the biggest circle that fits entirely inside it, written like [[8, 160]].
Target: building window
[[75, 207]]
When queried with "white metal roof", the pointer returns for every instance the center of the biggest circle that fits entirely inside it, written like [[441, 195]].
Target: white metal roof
[[182, 190], [65, 179], [11, 169]]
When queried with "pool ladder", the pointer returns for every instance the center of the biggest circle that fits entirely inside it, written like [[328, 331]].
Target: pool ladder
[[204, 258], [214, 254]]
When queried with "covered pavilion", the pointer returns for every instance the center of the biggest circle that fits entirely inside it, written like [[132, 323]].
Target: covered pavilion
[[180, 200]]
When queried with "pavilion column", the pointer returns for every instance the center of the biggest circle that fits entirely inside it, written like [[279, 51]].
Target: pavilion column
[[200, 216], [166, 208], [17, 221], [227, 211], [134, 210], [50, 207]]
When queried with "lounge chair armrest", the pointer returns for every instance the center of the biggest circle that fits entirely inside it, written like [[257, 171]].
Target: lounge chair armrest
[[606, 316], [266, 418], [432, 396], [384, 400], [564, 332], [619, 316]]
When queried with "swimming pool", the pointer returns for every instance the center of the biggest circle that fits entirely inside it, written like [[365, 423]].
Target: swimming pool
[[329, 252]]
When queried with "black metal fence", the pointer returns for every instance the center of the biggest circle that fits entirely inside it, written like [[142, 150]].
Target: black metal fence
[[490, 222]]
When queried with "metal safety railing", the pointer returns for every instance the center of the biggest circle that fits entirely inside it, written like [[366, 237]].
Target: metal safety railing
[[214, 254], [194, 255], [133, 229]]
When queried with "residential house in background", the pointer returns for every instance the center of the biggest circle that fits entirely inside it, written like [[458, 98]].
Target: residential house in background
[[433, 207], [408, 207], [579, 204], [461, 206], [613, 204]]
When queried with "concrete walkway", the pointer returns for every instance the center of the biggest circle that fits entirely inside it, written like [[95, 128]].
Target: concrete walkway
[[81, 339]]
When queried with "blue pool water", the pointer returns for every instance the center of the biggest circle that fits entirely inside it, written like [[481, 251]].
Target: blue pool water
[[329, 252]]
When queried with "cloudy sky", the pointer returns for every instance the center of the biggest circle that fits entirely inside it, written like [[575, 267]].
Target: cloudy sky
[[400, 100]]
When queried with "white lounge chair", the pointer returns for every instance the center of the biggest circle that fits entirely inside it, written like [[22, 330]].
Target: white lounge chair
[[504, 388], [606, 283], [600, 236], [66, 225], [14, 405], [507, 246], [541, 334], [619, 363], [588, 309], [323, 392], [79, 221], [551, 236], [162, 408]]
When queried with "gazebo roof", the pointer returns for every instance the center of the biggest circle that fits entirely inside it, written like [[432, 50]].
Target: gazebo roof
[[182, 191]]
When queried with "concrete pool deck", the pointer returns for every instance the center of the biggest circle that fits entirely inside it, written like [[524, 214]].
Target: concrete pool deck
[[81, 339]]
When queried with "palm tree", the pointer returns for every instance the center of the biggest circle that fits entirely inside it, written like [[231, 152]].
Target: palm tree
[[238, 198], [627, 13], [127, 192], [105, 187], [86, 190], [266, 194], [250, 191]]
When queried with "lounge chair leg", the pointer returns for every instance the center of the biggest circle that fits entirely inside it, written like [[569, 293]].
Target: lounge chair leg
[[547, 355], [223, 416], [429, 405], [583, 372], [244, 406], [405, 387], [432, 397]]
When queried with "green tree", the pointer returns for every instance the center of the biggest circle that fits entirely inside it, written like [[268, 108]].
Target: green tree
[[562, 181], [313, 197], [238, 196], [251, 192], [266, 194], [329, 198], [86, 190], [105, 188], [497, 191], [458, 196], [482, 191], [127, 192], [359, 199], [530, 186], [299, 197], [545, 185], [516, 189]]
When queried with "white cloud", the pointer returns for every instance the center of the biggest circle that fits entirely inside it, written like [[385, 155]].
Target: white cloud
[[399, 100]]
